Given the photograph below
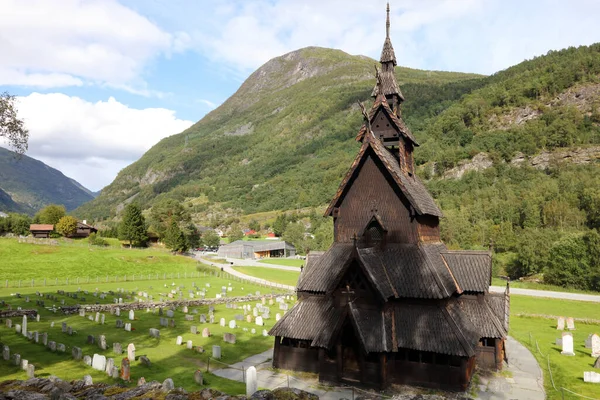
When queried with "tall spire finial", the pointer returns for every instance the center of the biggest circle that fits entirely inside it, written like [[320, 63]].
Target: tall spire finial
[[387, 21]]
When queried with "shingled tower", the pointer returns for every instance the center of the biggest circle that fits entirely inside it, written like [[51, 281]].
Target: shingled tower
[[388, 302]]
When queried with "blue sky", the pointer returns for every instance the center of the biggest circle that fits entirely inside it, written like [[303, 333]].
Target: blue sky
[[101, 81]]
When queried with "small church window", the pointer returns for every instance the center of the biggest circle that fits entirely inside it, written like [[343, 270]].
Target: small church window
[[375, 232]]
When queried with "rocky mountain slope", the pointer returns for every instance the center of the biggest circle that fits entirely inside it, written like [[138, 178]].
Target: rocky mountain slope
[[26, 185]]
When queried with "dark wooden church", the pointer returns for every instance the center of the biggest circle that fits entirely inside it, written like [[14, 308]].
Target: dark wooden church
[[388, 302]]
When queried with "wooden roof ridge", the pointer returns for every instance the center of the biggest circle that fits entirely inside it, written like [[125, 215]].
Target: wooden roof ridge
[[381, 102], [410, 186], [458, 333], [354, 318], [499, 325], [434, 272], [458, 288], [373, 280]]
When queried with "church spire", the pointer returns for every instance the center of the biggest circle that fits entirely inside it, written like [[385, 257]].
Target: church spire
[[387, 21]]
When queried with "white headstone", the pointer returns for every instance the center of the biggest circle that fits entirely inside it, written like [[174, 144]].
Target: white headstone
[[232, 324], [570, 324], [259, 321], [251, 381], [24, 326], [178, 341], [131, 351], [560, 325], [222, 322], [216, 352], [128, 327], [591, 377], [595, 345], [265, 332], [567, 344], [99, 362], [131, 315], [277, 317], [189, 345]]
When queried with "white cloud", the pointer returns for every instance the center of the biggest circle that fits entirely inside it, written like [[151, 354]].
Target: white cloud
[[91, 142], [65, 42]]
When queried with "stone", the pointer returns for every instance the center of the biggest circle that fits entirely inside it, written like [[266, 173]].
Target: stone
[[588, 341], [102, 318], [9, 323], [239, 317], [251, 381], [189, 317], [597, 363], [24, 364], [87, 360], [117, 348], [77, 353], [170, 314], [229, 338], [277, 317], [145, 361], [232, 324], [171, 323], [198, 378], [45, 338], [249, 318], [61, 348], [117, 311], [155, 333], [17, 360], [203, 318], [567, 344], [52, 345], [125, 369], [24, 326], [570, 324], [595, 345], [216, 352], [30, 371], [102, 342], [97, 318], [91, 339], [253, 331], [127, 326], [178, 341], [194, 329], [87, 380], [222, 322], [265, 333], [64, 327], [99, 362], [205, 333], [558, 342], [131, 315], [189, 345], [168, 385], [211, 319], [119, 323], [560, 325], [70, 331], [259, 321], [114, 373], [185, 309], [131, 351], [591, 377], [17, 328], [141, 381], [110, 363]]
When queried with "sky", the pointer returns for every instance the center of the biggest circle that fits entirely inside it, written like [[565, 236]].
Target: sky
[[99, 82]]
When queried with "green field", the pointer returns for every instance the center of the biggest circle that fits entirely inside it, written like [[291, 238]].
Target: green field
[[168, 360], [289, 262], [271, 274]]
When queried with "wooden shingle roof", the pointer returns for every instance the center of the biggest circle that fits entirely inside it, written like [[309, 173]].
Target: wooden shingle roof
[[483, 317], [381, 103], [320, 274], [471, 269]]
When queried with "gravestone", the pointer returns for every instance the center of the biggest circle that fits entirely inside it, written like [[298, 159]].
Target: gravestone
[[216, 352], [232, 324], [570, 324], [117, 348], [178, 341], [595, 345], [24, 326], [205, 332], [91, 339], [239, 317], [102, 342], [52, 345], [249, 318], [277, 317], [99, 362], [194, 329], [24, 364], [87, 380], [145, 361], [61, 348], [567, 344], [18, 328], [558, 342], [131, 351], [30, 371], [64, 327], [117, 311], [168, 385], [164, 322], [9, 323], [17, 360], [597, 363], [110, 363], [591, 377], [222, 322], [70, 331], [97, 318], [155, 333], [203, 318], [45, 338], [114, 373], [189, 317], [588, 341], [189, 345], [251, 381], [229, 338], [87, 360], [36, 337], [184, 309], [560, 325], [171, 323], [76, 353], [253, 331], [141, 381], [125, 369], [265, 333], [211, 319], [198, 377], [255, 312], [119, 323], [127, 326], [259, 321], [170, 314], [131, 315], [102, 318]]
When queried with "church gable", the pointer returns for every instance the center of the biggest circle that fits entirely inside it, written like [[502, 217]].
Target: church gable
[[384, 128]]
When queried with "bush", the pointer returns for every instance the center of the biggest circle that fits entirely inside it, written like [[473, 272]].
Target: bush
[[96, 240]]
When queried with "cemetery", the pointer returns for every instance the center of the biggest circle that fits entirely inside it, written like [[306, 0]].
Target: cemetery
[[121, 332]]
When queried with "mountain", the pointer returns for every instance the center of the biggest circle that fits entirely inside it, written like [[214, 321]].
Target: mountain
[[26, 185], [283, 140]]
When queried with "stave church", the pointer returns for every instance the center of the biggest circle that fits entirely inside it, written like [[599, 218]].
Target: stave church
[[388, 303]]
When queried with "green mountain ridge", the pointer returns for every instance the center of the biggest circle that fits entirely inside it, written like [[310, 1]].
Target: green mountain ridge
[[27, 185]]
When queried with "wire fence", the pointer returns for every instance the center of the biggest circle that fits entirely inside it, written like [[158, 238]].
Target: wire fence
[[561, 390]]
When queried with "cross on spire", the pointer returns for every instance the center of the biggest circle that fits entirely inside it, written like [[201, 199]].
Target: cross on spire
[[387, 22], [348, 292]]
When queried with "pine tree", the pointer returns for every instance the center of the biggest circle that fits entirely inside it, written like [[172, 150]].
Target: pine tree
[[133, 226]]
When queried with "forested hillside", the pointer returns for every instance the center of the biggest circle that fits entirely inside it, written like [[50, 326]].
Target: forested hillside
[[284, 140]]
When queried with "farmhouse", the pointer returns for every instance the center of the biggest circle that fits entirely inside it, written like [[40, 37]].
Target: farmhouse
[[388, 302], [257, 249], [84, 230], [41, 230]]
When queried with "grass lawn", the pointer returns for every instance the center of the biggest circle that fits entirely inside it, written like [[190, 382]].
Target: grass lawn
[[168, 360], [289, 262], [567, 371], [271, 274], [76, 259]]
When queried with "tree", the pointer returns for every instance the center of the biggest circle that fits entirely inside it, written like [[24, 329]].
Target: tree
[[192, 236], [280, 224], [211, 239], [166, 211], [175, 239], [50, 214], [133, 226], [568, 263], [254, 225], [11, 127], [66, 226], [294, 234], [235, 233]]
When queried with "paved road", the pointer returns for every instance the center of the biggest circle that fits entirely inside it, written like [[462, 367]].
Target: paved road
[[548, 294]]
